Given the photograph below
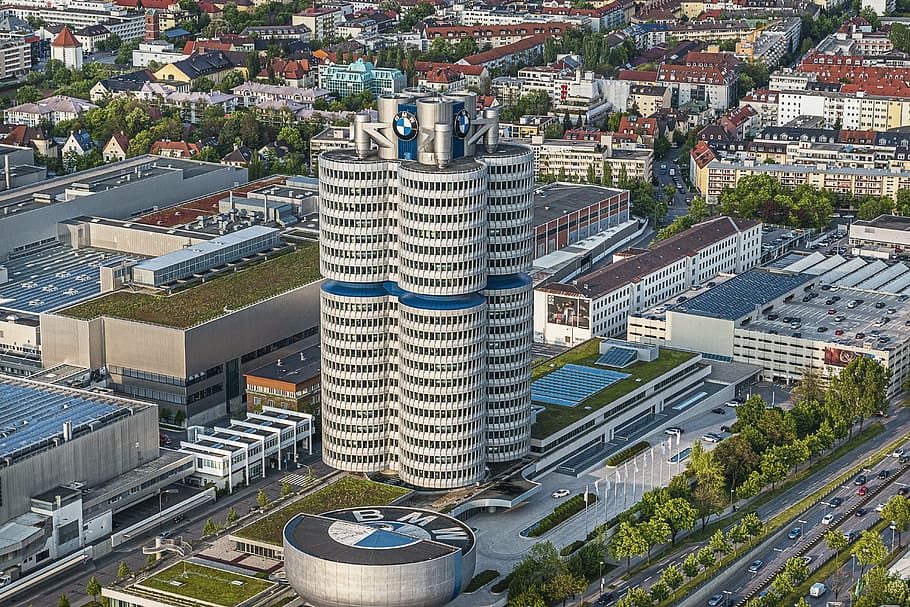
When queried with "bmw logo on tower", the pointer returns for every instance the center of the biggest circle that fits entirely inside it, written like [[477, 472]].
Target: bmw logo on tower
[[462, 124], [405, 126]]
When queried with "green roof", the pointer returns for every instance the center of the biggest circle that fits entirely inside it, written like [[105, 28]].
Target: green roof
[[208, 300], [557, 417], [204, 583], [349, 492]]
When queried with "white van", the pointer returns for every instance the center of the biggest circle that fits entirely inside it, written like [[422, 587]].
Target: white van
[[817, 589]]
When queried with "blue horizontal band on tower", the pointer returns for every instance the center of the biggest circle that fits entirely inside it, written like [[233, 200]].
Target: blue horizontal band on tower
[[507, 281], [450, 302], [411, 300]]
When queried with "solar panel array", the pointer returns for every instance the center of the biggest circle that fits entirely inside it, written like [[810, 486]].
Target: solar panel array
[[860, 273], [573, 384], [617, 357], [737, 297], [29, 417], [53, 279]]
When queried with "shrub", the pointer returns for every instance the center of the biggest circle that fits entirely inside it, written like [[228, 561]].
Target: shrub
[[482, 579], [627, 454], [502, 585], [567, 550], [562, 512]]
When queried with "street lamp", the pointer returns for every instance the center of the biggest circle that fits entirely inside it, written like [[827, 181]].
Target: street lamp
[[161, 493], [601, 576], [732, 507]]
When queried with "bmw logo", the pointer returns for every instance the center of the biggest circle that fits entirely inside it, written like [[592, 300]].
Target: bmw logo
[[462, 124], [405, 126]]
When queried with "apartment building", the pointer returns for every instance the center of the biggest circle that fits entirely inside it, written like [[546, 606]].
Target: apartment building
[[599, 303], [346, 80], [765, 103], [496, 35], [15, 58], [881, 109], [159, 51], [253, 93], [127, 25], [649, 98], [320, 21], [574, 92], [715, 86], [567, 159]]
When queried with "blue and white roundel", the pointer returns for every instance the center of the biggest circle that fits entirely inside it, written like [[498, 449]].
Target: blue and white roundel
[[405, 125], [462, 124]]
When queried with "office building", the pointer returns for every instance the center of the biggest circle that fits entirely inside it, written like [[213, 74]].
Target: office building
[[426, 312], [884, 236], [291, 382], [346, 80], [600, 302]]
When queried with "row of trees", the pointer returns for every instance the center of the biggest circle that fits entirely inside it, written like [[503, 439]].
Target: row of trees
[[544, 577]]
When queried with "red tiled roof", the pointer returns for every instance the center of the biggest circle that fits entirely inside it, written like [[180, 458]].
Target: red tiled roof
[[422, 67], [442, 75], [65, 39], [504, 51], [637, 76], [187, 150], [496, 31], [290, 69], [203, 46], [702, 154]]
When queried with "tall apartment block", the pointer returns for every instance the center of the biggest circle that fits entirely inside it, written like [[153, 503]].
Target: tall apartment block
[[426, 235]]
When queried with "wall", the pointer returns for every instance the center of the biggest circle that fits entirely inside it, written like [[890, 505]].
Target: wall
[[133, 240], [700, 333]]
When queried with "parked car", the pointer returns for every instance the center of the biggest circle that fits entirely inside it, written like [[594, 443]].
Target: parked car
[[718, 410], [674, 431], [710, 437], [561, 493]]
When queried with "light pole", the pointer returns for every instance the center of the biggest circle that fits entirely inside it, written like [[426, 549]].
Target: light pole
[[732, 507], [600, 574], [161, 493]]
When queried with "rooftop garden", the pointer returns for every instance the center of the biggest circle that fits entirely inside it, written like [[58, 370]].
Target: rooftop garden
[[206, 584], [208, 300], [556, 417], [349, 492]]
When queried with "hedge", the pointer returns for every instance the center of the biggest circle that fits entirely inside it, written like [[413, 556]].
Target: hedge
[[502, 585], [567, 550], [482, 579], [562, 512], [627, 454]]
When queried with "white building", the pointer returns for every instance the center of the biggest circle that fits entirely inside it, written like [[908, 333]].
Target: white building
[[235, 455], [67, 49], [600, 302], [15, 58], [575, 92], [253, 93], [426, 327], [51, 110], [159, 51]]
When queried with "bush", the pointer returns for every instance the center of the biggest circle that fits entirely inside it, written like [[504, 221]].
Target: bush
[[567, 550], [562, 512], [627, 454], [502, 585], [482, 579]]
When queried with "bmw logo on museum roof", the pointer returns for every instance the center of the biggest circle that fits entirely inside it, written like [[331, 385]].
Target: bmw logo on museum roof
[[405, 125], [462, 124]]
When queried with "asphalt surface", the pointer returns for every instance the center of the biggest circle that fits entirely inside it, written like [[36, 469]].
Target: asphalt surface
[[678, 206]]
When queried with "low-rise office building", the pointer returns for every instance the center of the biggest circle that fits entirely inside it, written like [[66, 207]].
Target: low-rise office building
[[291, 382], [600, 302], [566, 159], [886, 235], [566, 213]]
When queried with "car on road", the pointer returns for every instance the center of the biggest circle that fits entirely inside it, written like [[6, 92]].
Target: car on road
[[164, 534], [711, 437], [826, 520], [718, 410], [905, 459], [903, 491], [849, 535], [860, 480], [898, 453], [756, 566], [561, 493], [863, 490], [674, 431], [807, 559], [861, 512], [836, 501], [715, 600], [884, 473], [795, 533], [606, 598], [880, 507]]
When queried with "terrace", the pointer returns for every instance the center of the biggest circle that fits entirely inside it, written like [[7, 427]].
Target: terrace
[[349, 492], [212, 298], [207, 585], [555, 417]]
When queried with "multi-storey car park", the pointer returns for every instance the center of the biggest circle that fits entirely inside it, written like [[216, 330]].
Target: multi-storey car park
[[426, 314]]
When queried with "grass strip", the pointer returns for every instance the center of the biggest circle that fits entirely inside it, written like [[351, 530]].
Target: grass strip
[[481, 579], [562, 512], [627, 454]]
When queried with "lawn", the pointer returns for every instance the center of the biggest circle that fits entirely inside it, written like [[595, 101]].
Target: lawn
[[557, 417], [208, 300], [349, 492], [205, 583]]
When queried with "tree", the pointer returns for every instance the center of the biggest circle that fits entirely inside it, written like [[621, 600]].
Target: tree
[[873, 206], [659, 592], [719, 543], [529, 597], [63, 602], [899, 35], [672, 576], [836, 542], [542, 563], [292, 137], [606, 177], [202, 85], [690, 565], [123, 570], [286, 489], [636, 597], [860, 390], [783, 585], [591, 175], [563, 587], [871, 16], [655, 532], [809, 387], [775, 465], [752, 525], [902, 206], [628, 542], [708, 499], [736, 458], [232, 516], [210, 528], [897, 509], [706, 557], [263, 499], [93, 589], [678, 514], [797, 570], [27, 94], [869, 550]]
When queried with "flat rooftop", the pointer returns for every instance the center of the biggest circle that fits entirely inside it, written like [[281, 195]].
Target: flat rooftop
[[32, 415], [54, 278], [888, 222], [556, 417], [199, 582], [297, 367], [123, 173], [557, 199], [284, 192], [209, 300], [739, 296], [189, 254]]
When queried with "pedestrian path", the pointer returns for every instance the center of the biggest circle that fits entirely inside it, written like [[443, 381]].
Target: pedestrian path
[[298, 480]]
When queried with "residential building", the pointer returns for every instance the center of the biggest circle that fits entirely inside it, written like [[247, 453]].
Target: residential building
[[570, 159], [571, 91], [291, 72], [191, 106], [346, 80], [50, 110], [765, 103], [214, 66], [320, 22], [159, 51], [126, 24], [281, 33], [117, 86], [174, 149], [330, 138], [649, 98], [291, 382], [67, 49], [450, 291], [715, 86], [600, 302], [79, 142], [91, 35], [252, 93], [496, 35], [527, 127], [524, 51], [477, 77], [443, 80], [116, 148]]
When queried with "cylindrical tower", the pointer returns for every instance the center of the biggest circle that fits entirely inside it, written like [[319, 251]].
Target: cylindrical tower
[[427, 316]]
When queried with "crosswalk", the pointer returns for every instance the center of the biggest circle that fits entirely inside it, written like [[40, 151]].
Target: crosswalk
[[298, 480]]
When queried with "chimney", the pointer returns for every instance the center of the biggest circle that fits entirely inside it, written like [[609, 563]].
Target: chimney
[[67, 431]]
